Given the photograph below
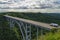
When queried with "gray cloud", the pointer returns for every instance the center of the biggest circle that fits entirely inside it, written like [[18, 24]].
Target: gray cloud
[[30, 4]]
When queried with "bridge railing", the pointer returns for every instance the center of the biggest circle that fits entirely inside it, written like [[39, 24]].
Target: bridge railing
[[27, 27]]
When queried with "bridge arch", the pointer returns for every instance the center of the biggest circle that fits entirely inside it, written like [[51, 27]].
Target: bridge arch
[[25, 27]]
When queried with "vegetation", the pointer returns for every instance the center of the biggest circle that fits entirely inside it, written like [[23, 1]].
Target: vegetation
[[51, 36], [47, 18], [5, 32], [14, 34]]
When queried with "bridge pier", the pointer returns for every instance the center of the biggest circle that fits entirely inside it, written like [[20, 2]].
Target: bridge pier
[[37, 33], [28, 32], [42, 34], [11, 23]]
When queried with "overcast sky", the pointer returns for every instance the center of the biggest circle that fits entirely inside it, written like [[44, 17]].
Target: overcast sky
[[44, 5]]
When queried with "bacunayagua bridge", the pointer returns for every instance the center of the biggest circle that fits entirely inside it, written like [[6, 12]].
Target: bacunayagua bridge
[[27, 24]]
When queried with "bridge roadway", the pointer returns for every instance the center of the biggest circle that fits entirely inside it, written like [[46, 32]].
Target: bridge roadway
[[39, 24]]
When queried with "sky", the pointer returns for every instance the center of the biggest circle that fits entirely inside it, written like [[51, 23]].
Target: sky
[[18, 5]]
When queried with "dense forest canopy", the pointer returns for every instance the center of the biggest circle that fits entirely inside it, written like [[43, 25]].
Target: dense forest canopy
[[42, 17], [7, 34]]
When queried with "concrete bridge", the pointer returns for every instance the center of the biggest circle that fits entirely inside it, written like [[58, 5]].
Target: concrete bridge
[[27, 24]]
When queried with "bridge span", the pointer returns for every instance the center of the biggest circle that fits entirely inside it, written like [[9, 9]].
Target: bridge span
[[27, 24]]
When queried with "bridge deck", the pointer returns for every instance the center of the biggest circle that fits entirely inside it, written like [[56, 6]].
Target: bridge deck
[[40, 24]]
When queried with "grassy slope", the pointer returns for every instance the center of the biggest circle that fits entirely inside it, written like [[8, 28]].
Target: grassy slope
[[51, 36]]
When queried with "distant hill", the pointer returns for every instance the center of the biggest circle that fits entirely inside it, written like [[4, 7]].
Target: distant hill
[[53, 14], [42, 17]]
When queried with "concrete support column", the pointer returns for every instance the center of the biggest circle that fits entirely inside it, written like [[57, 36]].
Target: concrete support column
[[41, 33], [37, 33], [11, 23], [28, 32]]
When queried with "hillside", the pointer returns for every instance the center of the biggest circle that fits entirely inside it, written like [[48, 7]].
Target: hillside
[[50, 36], [7, 34]]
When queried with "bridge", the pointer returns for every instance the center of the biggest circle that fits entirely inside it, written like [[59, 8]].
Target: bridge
[[26, 25]]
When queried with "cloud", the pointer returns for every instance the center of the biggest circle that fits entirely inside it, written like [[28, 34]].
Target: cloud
[[30, 4]]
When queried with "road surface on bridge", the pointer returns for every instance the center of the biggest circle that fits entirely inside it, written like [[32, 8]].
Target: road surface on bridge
[[39, 24]]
